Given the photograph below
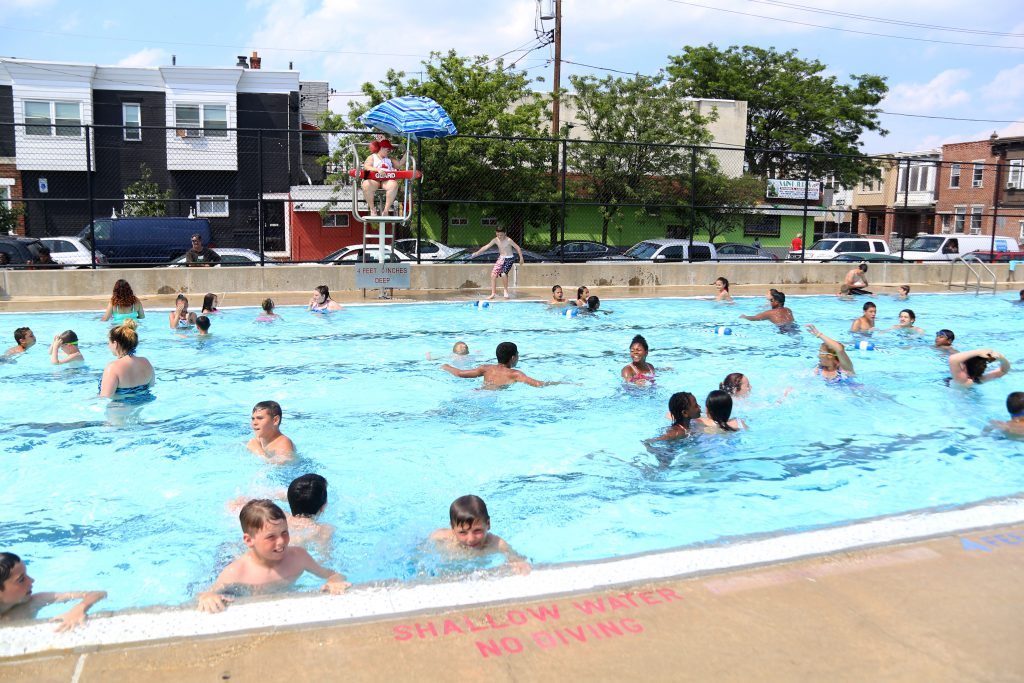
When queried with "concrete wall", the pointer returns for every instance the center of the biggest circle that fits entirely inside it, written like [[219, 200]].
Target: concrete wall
[[298, 278]]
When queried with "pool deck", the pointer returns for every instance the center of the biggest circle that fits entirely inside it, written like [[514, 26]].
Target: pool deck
[[943, 609]]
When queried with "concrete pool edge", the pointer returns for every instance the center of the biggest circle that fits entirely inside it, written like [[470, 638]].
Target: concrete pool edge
[[379, 603]]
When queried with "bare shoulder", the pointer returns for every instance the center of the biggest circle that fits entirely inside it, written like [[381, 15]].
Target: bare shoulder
[[441, 535]]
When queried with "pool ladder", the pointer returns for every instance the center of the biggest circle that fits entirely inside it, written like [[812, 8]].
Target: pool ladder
[[969, 261]]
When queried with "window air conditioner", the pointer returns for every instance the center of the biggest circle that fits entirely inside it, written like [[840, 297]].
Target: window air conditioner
[[189, 132], [975, 231]]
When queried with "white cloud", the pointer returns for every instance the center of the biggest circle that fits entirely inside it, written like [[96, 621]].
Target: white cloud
[[150, 56], [1008, 84], [940, 93], [15, 5]]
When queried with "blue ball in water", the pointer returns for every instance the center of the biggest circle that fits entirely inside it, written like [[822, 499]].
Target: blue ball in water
[[866, 345], [571, 312], [483, 304], [723, 330]]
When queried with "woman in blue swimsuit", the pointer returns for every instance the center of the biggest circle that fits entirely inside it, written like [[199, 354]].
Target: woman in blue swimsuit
[[833, 363], [128, 374], [124, 305]]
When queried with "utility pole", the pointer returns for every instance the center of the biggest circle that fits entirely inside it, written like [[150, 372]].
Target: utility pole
[[555, 100]]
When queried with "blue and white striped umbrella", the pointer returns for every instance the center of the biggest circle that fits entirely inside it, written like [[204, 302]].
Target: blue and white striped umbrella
[[414, 116]]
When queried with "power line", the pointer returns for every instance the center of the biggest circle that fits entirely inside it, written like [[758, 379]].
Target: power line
[[601, 68], [945, 118], [845, 30]]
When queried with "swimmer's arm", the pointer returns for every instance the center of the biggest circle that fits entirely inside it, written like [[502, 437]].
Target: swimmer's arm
[[336, 582], [76, 615], [140, 311], [627, 372], [516, 562], [211, 600], [526, 379], [957, 360], [107, 314], [844, 360], [763, 315], [76, 356], [465, 374], [1004, 367], [109, 383]]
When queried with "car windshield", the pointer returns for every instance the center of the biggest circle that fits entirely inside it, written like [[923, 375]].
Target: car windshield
[[823, 245], [930, 243], [643, 250]]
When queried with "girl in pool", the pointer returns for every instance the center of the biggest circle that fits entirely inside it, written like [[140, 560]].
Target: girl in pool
[[833, 363], [268, 314], [682, 408], [723, 290], [128, 374], [582, 294], [67, 342], [322, 301], [639, 371], [210, 303], [906, 323], [903, 292], [557, 296], [180, 318], [968, 367], [718, 410], [123, 304], [17, 601], [736, 384]]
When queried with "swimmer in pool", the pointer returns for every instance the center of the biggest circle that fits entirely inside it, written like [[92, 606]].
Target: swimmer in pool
[[778, 313], [307, 499], [557, 296], [460, 350], [582, 295], [718, 414], [833, 362], [17, 601], [639, 371], [502, 374], [210, 302], [180, 317], [906, 323], [968, 367], [736, 384], [682, 409], [123, 304], [903, 292], [944, 341], [865, 323], [268, 314], [270, 562], [470, 534], [1015, 406], [268, 440], [723, 291], [24, 339], [321, 301], [203, 326], [1021, 299], [128, 374], [67, 343]]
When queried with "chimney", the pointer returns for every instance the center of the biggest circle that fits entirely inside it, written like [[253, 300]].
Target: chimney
[[254, 60], [241, 62], [174, 60]]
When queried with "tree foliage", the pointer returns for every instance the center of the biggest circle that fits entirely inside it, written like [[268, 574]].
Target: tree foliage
[[792, 106], [722, 201], [483, 98], [637, 157], [146, 197], [9, 215]]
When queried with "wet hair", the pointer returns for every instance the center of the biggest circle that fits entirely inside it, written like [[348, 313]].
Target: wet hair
[[307, 495], [725, 283], [272, 407], [678, 404], [948, 334], [733, 383], [456, 345], [465, 510], [776, 295], [68, 337], [268, 305], [125, 336], [21, 334], [1022, 294], [7, 563], [256, 513], [593, 303], [555, 287], [203, 323], [181, 297], [579, 291], [1015, 403], [975, 367], [869, 304], [123, 296], [505, 352], [208, 302], [719, 407], [323, 291], [905, 288], [638, 339], [913, 318]]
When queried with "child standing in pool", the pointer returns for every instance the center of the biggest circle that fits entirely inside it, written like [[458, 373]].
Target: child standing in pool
[[268, 314], [268, 440], [271, 562], [67, 343], [17, 601], [470, 534]]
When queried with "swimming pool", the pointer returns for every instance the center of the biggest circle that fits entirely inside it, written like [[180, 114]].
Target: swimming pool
[[140, 509]]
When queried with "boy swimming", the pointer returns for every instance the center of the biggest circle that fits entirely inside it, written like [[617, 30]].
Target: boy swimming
[[502, 374], [270, 561], [268, 439], [24, 340], [1015, 406], [202, 326], [470, 534], [307, 499], [17, 601]]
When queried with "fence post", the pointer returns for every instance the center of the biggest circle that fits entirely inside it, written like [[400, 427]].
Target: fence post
[[693, 201], [906, 203], [419, 200], [995, 208], [259, 196], [565, 147], [803, 223], [89, 184]]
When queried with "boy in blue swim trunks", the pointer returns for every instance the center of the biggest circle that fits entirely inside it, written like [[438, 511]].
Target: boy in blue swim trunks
[[505, 258]]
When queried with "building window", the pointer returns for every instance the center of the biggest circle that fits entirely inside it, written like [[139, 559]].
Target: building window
[[762, 225], [919, 178], [132, 117], [489, 222], [458, 220], [212, 206], [976, 212], [1015, 177], [53, 118], [979, 171], [334, 220], [876, 225], [868, 186], [198, 120], [947, 221], [954, 176], [959, 215]]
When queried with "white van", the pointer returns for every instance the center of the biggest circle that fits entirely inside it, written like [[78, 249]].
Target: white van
[[828, 248], [948, 247]]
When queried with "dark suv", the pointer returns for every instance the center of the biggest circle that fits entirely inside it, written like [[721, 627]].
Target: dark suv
[[20, 251]]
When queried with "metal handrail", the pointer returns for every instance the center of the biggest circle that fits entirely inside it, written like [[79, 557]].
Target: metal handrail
[[972, 271]]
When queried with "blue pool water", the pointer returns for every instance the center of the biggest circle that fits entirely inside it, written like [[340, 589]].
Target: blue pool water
[[140, 508]]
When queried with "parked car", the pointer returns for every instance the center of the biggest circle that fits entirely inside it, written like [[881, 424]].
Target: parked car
[[490, 256], [868, 256], [667, 250], [429, 249], [828, 249], [578, 251], [231, 256], [145, 241], [20, 251], [356, 254], [997, 256], [948, 247], [71, 251], [731, 251]]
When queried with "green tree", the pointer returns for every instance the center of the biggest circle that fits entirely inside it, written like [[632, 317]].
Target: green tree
[[146, 197], [9, 215], [637, 156], [483, 98], [792, 106], [722, 201]]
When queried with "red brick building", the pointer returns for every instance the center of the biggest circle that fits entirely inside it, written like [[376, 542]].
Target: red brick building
[[967, 188], [10, 189], [1009, 212]]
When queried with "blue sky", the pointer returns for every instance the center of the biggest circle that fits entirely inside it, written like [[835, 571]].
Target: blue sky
[[347, 42]]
